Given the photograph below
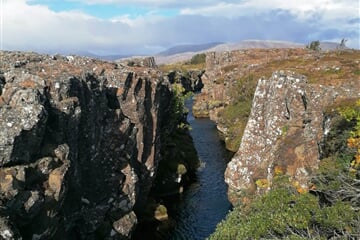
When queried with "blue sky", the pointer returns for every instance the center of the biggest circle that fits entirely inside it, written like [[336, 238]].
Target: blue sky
[[106, 10], [149, 26]]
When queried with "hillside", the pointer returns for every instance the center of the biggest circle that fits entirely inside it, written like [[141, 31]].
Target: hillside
[[288, 113], [292, 118]]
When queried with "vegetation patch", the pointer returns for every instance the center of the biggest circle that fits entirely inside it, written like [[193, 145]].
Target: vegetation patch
[[235, 115], [198, 59], [326, 68], [329, 210], [184, 67]]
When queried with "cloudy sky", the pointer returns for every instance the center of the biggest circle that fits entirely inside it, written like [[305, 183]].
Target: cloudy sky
[[148, 26]]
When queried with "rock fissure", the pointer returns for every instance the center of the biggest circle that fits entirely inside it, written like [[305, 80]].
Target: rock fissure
[[79, 146]]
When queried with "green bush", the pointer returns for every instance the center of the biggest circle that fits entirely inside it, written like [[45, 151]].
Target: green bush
[[314, 45], [285, 214], [198, 58]]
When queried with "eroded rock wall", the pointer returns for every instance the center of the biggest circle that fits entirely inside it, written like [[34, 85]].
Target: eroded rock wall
[[223, 71], [283, 133], [79, 145]]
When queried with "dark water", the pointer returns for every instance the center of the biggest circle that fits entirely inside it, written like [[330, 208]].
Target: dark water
[[204, 203], [195, 213]]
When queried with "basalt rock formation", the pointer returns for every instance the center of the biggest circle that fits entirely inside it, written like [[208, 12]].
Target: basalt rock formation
[[190, 80], [79, 145], [284, 132]]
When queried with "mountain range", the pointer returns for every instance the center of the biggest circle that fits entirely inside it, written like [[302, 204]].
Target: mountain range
[[179, 53]]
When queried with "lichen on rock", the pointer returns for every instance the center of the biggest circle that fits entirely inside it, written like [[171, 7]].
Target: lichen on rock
[[79, 144], [284, 130]]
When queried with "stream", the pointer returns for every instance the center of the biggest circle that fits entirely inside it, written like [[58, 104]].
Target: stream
[[204, 203], [196, 212]]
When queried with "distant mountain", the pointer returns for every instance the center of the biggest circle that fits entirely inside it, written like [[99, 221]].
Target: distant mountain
[[113, 57], [182, 53], [188, 48], [102, 57], [221, 47], [246, 44], [89, 54]]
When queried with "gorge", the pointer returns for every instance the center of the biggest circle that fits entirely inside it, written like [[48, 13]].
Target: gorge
[[82, 140]]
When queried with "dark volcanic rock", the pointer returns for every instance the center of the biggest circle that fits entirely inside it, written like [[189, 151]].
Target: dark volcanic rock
[[190, 80], [79, 145]]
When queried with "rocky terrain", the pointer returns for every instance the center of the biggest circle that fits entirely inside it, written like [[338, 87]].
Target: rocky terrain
[[292, 117], [79, 145], [284, 132], [277, 122], [81, 139]]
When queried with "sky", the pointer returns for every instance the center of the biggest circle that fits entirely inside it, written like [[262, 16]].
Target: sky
[[139, 27]]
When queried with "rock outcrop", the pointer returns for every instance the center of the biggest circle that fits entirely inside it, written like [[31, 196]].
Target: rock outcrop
[[190, 80], [231, 77], [79, 145], [283, 133]]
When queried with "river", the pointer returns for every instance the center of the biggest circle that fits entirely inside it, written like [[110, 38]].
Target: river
[[196, 212], [204, 203]]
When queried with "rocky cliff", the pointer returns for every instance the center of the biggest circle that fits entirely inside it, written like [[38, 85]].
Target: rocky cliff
[[79, 145], [230, 80], [284, 132], [275, 124]]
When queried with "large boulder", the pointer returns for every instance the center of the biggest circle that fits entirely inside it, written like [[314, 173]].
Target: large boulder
[[283, 133]]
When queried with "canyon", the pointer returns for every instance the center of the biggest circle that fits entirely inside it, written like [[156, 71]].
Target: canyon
[[81, 139]]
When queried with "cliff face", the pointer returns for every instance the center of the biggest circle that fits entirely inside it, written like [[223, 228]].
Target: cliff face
[[277, 124], [223, 71], [284, 132], [79, 145], [230, 80]]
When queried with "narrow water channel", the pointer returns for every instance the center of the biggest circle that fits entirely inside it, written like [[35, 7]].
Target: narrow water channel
[[204, 203], [196, 212]]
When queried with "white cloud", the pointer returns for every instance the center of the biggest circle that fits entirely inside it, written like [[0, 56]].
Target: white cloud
[[304, 9], [154, 3], [322, 14], [38, 28]]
